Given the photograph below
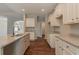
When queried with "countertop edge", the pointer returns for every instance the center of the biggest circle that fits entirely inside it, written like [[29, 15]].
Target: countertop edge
[[66, 41], [15, 39]]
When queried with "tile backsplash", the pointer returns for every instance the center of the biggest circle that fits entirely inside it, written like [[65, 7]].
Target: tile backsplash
[[54, 29], [75, 29]]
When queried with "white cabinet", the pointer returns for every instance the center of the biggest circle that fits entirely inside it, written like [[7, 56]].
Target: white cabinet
[[3, 26], [53, 21], [70, 14], [54, 17], [21, 45], [26, 41], [64, 48], [77, 13], [59, 10], [32, 36], [51, 40], [67, 52], [67, 16], [30, 22], [18, 47], [1, 51], [58, 46]]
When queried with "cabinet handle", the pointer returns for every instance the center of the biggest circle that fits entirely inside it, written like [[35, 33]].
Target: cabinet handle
[[59, 47], [24, 41], [62, 49], [77, 18], [57, 40], [67, 47], [72, 19]]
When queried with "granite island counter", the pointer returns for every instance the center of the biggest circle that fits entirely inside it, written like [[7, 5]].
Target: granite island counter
[[14, 44]]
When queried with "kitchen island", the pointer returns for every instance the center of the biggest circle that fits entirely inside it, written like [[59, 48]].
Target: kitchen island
[[14, 45]]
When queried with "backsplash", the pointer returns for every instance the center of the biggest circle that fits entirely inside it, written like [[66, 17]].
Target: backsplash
[[75, 29], [54, 29]]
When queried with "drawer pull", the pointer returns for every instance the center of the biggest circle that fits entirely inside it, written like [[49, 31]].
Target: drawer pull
[[67, 47], [57, 40], [62, 49], [72, 19], [77, 18], [59, 47]]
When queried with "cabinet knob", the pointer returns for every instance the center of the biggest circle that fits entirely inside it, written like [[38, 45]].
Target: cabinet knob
[[62, 49], [77, 18], [59, 47], [72, 19], [67, 47]]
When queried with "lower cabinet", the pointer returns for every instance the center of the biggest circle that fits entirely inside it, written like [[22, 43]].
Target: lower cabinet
[[64, 48], [58, 46], [58, 50], [18, 47], [51, 40], [22, 45], [67, 52], [32, 36]]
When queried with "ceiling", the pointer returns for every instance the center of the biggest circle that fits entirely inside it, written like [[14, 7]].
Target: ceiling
[[15, 9]]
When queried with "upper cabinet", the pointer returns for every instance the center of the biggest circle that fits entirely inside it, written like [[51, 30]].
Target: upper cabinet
[[30, 22], [71, 13], [59, 10], [56, 15], [53, 21]]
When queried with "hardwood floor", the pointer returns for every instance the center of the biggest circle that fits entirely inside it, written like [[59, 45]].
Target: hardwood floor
[[39, 47]]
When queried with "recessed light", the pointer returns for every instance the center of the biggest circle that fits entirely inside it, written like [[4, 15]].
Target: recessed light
[[42, 10], [23, 9]]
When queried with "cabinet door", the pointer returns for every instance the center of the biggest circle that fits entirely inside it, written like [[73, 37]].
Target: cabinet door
[[67, 52], [58, 46], [19, 47], [27, 41], [59, 9], [32, 36], [65, 12], [30, 22], [1, 51], [58, 50], [54, 21], [68, 16], [52, 41], [77, 13]]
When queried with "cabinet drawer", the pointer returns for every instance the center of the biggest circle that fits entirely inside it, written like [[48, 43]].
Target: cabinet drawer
[[67, 52], [59, 42], [70, 47]]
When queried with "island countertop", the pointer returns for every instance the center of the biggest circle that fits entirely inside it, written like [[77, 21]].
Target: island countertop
[[8, 39]]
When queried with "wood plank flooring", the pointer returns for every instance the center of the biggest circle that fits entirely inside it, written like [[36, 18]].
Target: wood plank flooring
[[39, 47]]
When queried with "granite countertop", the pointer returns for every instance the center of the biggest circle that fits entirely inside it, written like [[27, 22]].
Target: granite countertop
[[73, 40], [8, 39]]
